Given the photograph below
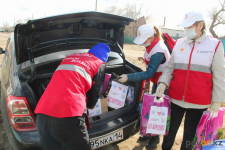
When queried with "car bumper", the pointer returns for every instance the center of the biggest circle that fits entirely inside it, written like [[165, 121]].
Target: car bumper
[[28, 139], [130, 123]]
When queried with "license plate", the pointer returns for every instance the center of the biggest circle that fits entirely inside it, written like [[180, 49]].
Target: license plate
[[106, 139]]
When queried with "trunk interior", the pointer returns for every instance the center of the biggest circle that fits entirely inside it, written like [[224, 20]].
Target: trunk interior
[[39, 84]]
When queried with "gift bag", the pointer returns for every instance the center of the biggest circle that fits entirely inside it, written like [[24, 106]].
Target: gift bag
[[106, 81], [117, 95], [157, 120], [97, 110], [130, 95], [148, 102], [209, 129]]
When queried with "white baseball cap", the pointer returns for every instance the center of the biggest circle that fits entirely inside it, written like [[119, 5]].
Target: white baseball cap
[[143, 33], [190, 18]]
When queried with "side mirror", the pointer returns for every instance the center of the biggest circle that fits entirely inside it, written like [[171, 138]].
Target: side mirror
[[1, 51]]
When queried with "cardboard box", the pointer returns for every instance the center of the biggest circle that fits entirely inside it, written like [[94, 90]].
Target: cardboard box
[[104, 105], [100, 107]]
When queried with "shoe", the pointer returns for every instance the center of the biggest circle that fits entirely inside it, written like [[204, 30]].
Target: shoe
[[143, 138], [152, 144]]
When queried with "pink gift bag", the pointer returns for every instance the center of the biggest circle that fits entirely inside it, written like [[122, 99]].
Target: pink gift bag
[[209, 129], [148, 101], [106, 81]]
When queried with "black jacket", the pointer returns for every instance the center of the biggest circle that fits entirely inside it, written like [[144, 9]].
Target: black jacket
[[93, 93]]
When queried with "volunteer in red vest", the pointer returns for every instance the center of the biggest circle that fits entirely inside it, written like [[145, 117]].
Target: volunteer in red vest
[[195, 76], [62, 109], [156, 58]]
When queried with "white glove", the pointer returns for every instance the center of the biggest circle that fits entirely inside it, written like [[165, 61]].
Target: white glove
[[160, 89], [215, 107], [123, 78]]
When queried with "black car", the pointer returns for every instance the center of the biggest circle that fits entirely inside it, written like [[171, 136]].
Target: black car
[[32, 54]]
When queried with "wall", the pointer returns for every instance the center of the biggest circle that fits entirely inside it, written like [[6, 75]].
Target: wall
[[174, 33]]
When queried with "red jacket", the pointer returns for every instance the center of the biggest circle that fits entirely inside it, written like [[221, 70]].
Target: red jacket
[[65, 96], [192, 75]]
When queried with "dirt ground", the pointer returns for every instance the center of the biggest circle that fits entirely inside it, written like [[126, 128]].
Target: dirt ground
[[131, 53]]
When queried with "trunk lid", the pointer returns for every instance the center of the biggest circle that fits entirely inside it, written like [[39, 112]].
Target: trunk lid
[[73, 31]]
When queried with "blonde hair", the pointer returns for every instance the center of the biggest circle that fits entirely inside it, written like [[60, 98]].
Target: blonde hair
[[157, 33]]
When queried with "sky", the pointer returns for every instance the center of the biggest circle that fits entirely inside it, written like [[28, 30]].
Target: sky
[[173, 10]]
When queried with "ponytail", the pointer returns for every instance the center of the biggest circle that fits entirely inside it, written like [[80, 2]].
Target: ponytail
[[157, 33]]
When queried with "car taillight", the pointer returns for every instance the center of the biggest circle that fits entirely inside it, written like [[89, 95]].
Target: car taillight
[[20, 114], [144, 88]]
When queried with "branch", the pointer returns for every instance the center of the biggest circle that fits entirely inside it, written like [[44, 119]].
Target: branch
[[222, 4]]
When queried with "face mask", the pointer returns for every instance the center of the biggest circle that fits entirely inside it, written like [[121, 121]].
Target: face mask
[[190, 33], [145, 45]]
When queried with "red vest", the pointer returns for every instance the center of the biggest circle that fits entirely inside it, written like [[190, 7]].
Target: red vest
[[65, 96], [192, 76], [155, 47]]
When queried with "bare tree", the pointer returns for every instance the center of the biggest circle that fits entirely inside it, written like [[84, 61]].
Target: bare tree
[[114, 10], [130, 11], [6, 26], [217, 16]]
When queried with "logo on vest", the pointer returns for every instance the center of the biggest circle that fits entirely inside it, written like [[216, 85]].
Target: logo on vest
[[205, 52], [182, 49]]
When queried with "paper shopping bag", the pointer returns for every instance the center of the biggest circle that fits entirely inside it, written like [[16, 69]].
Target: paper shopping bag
[[117, 95]]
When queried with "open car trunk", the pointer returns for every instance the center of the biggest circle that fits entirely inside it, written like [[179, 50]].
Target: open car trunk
[[39, 84]]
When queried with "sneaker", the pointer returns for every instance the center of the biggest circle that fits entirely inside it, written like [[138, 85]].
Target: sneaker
[[152, 144], [143, 138]]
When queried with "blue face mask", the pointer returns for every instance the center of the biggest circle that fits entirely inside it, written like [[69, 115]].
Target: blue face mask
[[190, 33]]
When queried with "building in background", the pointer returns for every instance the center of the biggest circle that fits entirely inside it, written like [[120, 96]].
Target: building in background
[[131, 30], [174, 32]]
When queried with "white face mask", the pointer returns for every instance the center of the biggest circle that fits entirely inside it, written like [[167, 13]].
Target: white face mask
[[190, 33], [145, 45]]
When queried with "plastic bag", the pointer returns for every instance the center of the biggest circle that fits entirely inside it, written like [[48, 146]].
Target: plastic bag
[[130, 95], [148, 101], [209, 129]]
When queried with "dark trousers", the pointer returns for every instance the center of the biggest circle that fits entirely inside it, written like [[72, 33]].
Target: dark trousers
[[62, 133], [192, 118]]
